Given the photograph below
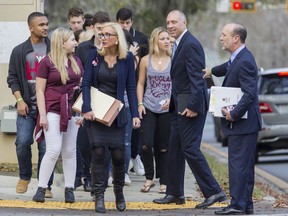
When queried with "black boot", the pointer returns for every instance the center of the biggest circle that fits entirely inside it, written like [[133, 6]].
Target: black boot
[[69, 195], [118, 181], [40, 195], [87, 185], [98, 186]]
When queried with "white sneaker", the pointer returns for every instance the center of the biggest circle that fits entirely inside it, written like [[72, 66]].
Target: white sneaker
[[110, 181], [127, 179], [131, 164], [138, 166]]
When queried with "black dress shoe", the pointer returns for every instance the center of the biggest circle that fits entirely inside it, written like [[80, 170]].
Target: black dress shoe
[[170, 199], [220, 197], [229, 211]]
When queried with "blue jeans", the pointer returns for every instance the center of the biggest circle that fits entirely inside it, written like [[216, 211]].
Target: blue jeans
[[128, 134], [24, 140]]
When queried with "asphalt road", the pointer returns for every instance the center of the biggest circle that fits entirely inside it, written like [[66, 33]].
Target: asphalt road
[[276, 163]]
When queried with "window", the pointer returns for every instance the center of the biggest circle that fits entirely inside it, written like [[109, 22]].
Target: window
[[273, 84]]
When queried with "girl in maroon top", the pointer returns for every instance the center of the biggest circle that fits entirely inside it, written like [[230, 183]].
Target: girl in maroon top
[[57, 76]]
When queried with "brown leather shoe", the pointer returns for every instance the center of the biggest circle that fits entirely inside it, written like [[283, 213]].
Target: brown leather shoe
[[22, 186], [48, 193]]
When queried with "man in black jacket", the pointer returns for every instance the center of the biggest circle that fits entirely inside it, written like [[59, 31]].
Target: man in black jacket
[[23, 64], [83, 50], [125, 19]]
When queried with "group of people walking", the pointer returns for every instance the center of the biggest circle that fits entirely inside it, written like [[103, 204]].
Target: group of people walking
[[165, 98]]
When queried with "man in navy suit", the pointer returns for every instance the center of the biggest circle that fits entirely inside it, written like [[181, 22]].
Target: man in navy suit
[[189, 91], [240, 71]]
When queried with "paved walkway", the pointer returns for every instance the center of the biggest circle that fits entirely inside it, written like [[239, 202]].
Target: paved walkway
[[132, 192], [83, 199], [137, 203]]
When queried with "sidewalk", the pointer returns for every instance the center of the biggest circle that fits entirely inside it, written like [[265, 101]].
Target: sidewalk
[[137, 203], [134, 198], [132, 192]]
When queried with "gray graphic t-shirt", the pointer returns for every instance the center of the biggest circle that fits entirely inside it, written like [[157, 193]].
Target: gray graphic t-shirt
[[32, 62]]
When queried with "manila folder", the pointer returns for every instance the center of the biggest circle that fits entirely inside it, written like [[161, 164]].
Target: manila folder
[[104, 107]]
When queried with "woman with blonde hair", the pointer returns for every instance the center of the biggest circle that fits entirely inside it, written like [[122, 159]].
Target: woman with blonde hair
[[153, 104], [112, 71], [57, 76]]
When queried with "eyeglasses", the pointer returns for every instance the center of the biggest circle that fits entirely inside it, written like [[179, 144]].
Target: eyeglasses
[[106, 35]]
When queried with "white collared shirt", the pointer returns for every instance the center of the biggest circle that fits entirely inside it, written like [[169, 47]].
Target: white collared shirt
[[180, 37]]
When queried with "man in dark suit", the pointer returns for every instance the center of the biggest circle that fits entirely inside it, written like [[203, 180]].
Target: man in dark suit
[[189, 91], [241, 72]]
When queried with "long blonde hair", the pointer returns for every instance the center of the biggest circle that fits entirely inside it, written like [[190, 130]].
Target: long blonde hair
[[122, 44], [57, 55], [153, 41]]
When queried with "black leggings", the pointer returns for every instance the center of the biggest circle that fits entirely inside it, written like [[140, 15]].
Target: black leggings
[[100, 154]]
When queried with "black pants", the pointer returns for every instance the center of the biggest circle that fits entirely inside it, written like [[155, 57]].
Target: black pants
[[83, 155], [83, 144], [135, 143], [154, 136]]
